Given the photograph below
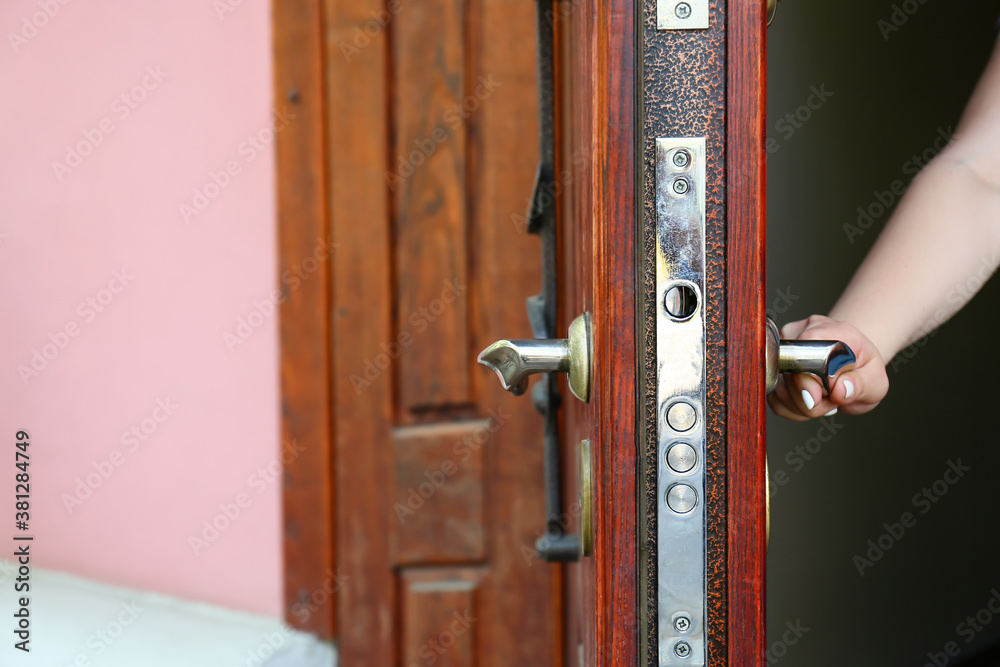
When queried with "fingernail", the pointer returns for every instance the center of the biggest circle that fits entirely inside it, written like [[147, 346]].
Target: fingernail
[[808, 400], [831, 413], [849, 386]]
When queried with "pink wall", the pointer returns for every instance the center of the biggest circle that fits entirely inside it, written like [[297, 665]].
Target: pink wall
[[108, 226]]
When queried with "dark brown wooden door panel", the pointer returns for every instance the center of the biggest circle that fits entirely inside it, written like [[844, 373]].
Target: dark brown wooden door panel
[[438, 470]]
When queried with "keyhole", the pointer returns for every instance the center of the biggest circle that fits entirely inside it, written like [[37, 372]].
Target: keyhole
[[681, 301]]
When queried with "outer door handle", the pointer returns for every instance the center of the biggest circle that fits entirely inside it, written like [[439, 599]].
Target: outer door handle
[[825, 359], [514, 360]]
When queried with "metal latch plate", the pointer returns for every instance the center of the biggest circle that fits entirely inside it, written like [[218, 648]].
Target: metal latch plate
[[681, 400], [681, 14]]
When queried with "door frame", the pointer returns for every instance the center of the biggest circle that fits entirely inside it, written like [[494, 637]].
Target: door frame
[[309, 512], [746, 270]]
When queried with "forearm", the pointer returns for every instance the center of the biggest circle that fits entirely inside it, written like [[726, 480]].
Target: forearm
[[943, 242], [935, 253]]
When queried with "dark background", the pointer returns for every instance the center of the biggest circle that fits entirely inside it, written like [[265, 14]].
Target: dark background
[[890, 98]]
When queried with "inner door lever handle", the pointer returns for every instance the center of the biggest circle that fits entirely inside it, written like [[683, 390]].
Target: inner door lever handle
[[514, 360], [825, 359]]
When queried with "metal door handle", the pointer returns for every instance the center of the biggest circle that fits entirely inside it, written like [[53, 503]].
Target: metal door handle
[[825, 359], [514, 360]]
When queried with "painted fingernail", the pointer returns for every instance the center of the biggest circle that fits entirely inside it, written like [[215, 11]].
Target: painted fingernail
[[831, 413], [849, 386], [808, 400]]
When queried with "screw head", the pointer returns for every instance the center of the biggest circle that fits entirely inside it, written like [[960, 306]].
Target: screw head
[[681, 186], [683, 10], [682, 159], [682, 649], [682, 624]]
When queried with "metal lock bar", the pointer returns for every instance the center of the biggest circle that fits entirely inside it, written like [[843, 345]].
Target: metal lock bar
[[681, 14], [681, 386]]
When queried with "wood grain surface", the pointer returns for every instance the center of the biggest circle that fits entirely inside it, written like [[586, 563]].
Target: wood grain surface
[[304, 318], [746, 84]]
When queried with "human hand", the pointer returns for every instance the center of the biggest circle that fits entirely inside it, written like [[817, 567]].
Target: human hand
[[800, 397]]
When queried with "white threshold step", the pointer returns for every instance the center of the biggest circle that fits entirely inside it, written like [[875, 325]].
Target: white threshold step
[[76, 622]]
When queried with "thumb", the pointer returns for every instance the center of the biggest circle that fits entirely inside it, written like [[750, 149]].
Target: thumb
[[847, 388], [861, 389]]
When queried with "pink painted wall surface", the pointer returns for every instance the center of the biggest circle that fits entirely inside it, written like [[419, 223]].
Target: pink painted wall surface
[[116, 301]]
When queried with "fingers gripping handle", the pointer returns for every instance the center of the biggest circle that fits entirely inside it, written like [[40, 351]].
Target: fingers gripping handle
[[825, 359]]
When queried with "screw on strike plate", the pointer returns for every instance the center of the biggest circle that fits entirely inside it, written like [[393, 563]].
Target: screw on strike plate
[[682, 624], [682, 159], [681, 186], [683, 10], [682, 649]]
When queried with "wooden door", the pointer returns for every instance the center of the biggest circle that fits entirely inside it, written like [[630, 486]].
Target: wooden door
[[414, 152], [419, 497], [439, 480]]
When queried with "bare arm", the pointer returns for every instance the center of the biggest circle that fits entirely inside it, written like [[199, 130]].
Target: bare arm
[[935, 253], [944, 239]]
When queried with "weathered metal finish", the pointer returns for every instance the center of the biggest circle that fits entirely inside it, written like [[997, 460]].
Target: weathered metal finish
[[684, 95]]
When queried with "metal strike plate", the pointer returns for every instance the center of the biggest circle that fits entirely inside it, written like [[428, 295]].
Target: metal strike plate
[[681, 14], [680, 357], [586, 501]]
